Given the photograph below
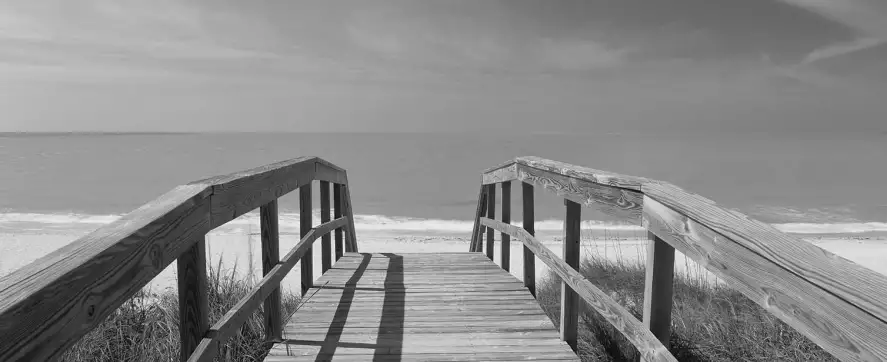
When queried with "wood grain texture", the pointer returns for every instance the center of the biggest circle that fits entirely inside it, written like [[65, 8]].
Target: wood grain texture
[[585, 173], [505, 257], [269, 221], [325, 247], [231, 322], [193, 305], [833, 274], [491, 213], [625, 204], [831, 322], [241, 192], [420, 313], [529, 225], [658, 288], [338, 206], [66, 293], [634, 331], [477, 231], [507, 173], [325, 171], [569, 299], [305, 226]]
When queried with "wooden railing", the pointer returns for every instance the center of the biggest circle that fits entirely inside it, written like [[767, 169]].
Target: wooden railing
[[838, 304], [48, 305]]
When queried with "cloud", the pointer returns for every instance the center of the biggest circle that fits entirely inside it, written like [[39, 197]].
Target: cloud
[[864, 16], [838, 49]]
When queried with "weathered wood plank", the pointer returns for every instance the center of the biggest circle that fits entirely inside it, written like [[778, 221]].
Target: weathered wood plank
[[325, 171], [504, 174], [351, 241], [66, 293], [491, 213], [268, 220], [569, 299], [477, 231], [529, 214], [505, 257], [193, 305], [230, 323], [584, 173], [338, 206], [305, 226], [658, 288], [325, 247], [836, 325], [625, 204], [238, 193], [634, 331]]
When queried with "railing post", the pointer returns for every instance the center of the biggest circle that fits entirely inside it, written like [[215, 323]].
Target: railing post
[[530, 227], [491, 214], [658, 288], [477, 235], [193, 306], [351, 242], [305, 225], [337, 213], [325, 247], [569, 298], [506, 218], [270, 257]]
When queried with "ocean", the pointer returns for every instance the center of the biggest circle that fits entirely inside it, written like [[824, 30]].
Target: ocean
[[804, 183]]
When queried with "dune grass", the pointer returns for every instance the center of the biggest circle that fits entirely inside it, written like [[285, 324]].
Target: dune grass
[[146, 327], [710, 321]]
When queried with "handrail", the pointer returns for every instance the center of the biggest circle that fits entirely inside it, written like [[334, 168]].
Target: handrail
[[838, 304], [649, 347], [49, 304]]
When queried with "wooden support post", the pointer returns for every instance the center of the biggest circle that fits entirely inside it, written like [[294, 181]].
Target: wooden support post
[[305, 225], [658, 288], [193, 306], [270, 257], [530, 227], [477, 235], [569, 298], [506, 218], [491, 214], [351, 241], [325, 247], [337, 213]]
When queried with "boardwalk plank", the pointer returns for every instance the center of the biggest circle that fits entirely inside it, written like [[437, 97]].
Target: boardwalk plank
[[419, 307]]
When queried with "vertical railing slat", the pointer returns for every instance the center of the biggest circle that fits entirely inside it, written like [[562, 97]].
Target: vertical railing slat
[[529, 214], [193, 306], [477, 232], [569, 298], [506, 218], [658, 288], [325, 247], [351, 241], [270, 257], [305, 225], [337, 213], [491, 214]]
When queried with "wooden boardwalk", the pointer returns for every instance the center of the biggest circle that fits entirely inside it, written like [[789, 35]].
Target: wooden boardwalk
[[419, 307]]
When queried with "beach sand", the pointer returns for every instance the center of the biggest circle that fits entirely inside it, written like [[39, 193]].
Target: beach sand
[[242, 252]]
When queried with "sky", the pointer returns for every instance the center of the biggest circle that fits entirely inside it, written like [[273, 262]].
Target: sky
[[554, 66]]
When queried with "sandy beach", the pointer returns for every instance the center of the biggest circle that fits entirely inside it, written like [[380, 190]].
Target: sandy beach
[[241, 253]]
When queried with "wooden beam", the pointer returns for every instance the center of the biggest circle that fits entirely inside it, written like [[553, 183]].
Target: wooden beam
[[477, 232], [839, 327], [193, 306], [506, 173], [658, 288], [49, 304], [569, 299], [325, 171], [491, 213], [230, 323], [351, 242], [530, 226], [325, 247], [337, 213], [305, 223], [647, 344], [506, 218], [268, 219]]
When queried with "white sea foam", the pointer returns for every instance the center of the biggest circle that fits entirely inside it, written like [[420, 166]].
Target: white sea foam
[[41, 222]]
